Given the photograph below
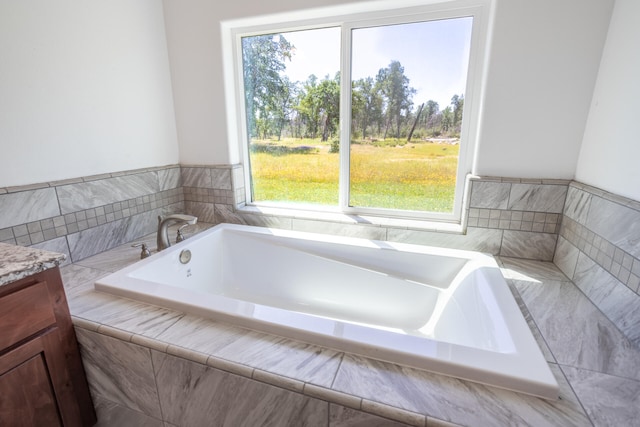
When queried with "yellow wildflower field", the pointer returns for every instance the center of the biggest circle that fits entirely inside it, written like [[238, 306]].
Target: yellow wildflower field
[[407, 176]]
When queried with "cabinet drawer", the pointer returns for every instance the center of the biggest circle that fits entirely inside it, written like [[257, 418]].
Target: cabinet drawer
[[23, 313]]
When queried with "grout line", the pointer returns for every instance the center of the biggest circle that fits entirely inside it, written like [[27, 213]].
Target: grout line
[[335, 375]]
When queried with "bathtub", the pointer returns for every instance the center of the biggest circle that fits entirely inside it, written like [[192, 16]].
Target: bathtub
[[442, 310]]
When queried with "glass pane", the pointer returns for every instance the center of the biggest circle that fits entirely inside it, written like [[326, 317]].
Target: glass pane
[[408, 84], [292, 98]]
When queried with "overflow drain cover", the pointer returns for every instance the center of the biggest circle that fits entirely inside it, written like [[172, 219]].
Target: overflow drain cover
[[185, 256]]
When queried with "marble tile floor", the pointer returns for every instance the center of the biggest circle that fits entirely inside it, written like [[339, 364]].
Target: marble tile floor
[[594, 363]]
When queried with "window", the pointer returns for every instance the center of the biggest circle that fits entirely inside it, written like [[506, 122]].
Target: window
[[365, 113]]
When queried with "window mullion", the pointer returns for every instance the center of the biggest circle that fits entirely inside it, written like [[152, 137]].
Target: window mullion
[[345, 116]]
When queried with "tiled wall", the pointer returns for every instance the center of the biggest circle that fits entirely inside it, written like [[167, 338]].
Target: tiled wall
[[526, 212], [85, 216], [599, 250], [210, 192], [509, 217]]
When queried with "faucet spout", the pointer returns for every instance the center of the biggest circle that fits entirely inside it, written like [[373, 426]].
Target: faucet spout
[[162, 240]]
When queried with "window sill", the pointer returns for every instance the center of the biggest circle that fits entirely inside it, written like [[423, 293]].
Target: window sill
[[369, 220]]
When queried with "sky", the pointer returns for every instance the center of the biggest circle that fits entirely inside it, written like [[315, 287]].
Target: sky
[[434, 55]]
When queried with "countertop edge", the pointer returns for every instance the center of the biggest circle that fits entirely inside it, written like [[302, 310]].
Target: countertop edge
[[18, 262]]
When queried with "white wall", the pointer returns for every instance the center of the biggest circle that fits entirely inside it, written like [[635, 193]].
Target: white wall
[[610, 154], [543, 66], [195, 50], [84, 89]]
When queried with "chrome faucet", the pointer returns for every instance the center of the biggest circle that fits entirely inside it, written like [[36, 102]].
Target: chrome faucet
[[163, 227]]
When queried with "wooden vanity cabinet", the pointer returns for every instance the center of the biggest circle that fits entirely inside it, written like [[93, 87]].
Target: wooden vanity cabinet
[[42, 381]]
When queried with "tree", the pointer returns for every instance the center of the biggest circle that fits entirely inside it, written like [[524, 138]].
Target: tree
[[458, 105], [308, 107], [366, 104], [263, 60], [283, 103], [358, 108], [328, 92], [394, 86], [415, 122], [320, 106], [447, 119], [431, 110]]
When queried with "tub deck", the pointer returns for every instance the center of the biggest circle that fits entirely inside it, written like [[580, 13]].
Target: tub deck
[[111, 329]]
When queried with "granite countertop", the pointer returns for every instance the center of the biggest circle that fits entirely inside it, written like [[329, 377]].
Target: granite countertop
[[18, 262]]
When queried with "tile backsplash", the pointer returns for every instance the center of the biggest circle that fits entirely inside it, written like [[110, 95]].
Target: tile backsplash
[[520, 218], [526, 212], [599, 250], [208, 189], [85, 216], [509, 217]]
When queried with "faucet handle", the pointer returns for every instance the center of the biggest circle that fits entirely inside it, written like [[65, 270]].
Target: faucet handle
[[145, 252], [180, 237]]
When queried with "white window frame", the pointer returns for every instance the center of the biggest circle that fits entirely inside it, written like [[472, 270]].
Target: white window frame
[[349, 17]]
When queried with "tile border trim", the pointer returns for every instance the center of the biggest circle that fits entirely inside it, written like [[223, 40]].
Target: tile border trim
[[296, 386]]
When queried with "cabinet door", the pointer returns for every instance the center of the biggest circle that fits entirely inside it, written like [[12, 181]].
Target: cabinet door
[[25, 313], [27, 396], [35, 387], [35, 323]]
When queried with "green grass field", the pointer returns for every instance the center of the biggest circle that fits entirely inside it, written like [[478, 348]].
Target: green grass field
[[406, 176]]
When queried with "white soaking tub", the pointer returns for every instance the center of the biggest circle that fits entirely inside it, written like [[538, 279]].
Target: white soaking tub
[[442, 310]]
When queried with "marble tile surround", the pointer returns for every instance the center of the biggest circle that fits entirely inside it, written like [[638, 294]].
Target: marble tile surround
[[507, 217], [527, 212], [599, 249], [191, 359], [84, 216], [154, 387], [206, 187]]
